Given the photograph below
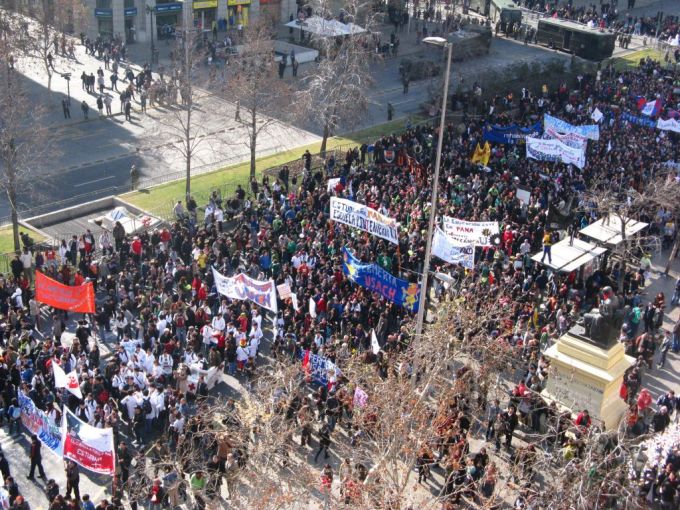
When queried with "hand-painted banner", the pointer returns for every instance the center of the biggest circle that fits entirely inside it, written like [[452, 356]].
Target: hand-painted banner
[[568, 139], [364, 218], [554, 150], [510, 135], [88, 446], [37, 422], [451, 251], [589, 131], [668, 125], [244, 288], [320, 369], [64, 297], [376, 279], [640, 121], [475, 233]]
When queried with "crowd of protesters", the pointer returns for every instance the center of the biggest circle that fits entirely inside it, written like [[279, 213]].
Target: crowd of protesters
[[159, 312]]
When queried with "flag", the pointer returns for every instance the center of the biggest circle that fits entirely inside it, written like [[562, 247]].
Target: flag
[[651, 108], [375, 346], [486, 154], [312, 308], [360, 397], [609, 146], [305, 359], [478, 155], [64, 380], [597, 115], [293, 297]]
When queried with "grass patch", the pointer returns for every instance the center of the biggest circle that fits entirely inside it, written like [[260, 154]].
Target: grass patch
[[160, 199], [632, 60], [7, 244]]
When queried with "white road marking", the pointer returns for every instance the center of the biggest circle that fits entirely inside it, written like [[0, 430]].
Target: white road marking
[[92, 182]]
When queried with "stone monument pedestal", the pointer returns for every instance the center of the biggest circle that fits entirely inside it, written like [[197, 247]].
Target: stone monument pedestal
[[588, 375]]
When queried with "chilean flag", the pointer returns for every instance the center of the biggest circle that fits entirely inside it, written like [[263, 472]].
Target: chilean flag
[[650, 108]]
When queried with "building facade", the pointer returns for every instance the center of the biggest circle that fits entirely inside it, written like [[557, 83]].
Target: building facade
[[136, 20]]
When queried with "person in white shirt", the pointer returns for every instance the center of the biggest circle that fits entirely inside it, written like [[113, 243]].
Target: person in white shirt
[[218, 323], [162, 324], [241, 355], [149, 361], [139, 379], [190, 357], [257, 318]]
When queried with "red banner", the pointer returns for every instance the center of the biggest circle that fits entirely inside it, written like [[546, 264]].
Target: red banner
[[64, 297], [88, 446]]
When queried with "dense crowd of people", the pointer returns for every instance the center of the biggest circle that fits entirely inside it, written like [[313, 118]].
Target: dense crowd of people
[[160, 314]]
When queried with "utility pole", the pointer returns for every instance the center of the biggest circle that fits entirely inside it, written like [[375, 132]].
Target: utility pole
[[186, 93]]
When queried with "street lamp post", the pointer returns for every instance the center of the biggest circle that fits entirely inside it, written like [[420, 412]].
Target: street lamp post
[[441, 42], [150, 11], [67, 77]]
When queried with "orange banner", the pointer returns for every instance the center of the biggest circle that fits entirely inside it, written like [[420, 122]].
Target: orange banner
[[64, 297]]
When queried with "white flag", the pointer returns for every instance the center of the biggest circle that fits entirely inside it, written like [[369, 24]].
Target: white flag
[[64, 380], [293, 297], [312, 308], [375, 346], [597, 115]]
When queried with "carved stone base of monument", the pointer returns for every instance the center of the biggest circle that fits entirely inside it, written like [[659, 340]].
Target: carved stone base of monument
[[588, 375]]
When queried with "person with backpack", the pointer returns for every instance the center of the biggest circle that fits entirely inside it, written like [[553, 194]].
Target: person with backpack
[[149, 412]]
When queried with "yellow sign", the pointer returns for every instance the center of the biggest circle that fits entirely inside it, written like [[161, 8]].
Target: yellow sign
[[205, 4], [238, 2]]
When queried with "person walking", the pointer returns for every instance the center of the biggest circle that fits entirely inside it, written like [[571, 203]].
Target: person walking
[[100, 105], [142, 100], [114, 82], [36, 458], [67, 109], [85, 108], [295, 64], [107, 104], [390, 111], [72, 480], [128, 110], [324, 441]]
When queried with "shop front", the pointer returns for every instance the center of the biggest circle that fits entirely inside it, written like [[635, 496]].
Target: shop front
[[167, 18], [104, 18], [205, 12], [130, 14], [238, 12]]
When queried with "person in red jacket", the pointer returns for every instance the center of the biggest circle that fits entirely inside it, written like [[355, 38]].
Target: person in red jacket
[[583, 420], [136, 249]]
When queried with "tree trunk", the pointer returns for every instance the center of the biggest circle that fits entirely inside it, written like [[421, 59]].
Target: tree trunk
[[324, 140], [187, 141], [253, 140], [12, 199]]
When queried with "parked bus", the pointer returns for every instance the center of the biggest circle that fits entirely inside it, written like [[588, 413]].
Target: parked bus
[[585, 42], [504, 11]]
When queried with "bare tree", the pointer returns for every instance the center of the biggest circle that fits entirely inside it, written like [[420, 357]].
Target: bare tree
[[336, 92], [23, 141], [261, 98]]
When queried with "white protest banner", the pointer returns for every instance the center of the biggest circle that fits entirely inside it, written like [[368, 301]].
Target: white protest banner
[[668, 125], [88, 446], [524, 195], [244, 288], [589, 131], [64, 380], [569, 139], [475, 233], [554, 150], [596, 115], [364, 218], [451, 251], [331, 184], [293, 297], [312, 308], [284, 290]]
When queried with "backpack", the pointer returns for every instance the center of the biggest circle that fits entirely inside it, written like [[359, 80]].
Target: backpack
[[146, 406]]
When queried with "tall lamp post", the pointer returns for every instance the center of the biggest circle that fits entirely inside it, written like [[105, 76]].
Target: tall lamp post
[[151, 11], [443, 43]]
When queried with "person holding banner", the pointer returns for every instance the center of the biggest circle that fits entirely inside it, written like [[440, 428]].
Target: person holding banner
[[36, 458]]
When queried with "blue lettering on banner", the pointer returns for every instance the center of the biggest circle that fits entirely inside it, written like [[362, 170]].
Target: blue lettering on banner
[[590, 131], [512, 134], [103, 13], [640, 121], [38, 423], [130, 11], [376, 279]]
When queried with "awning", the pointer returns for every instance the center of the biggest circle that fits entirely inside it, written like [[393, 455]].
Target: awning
[[608, 230], [566, 258], [325, 27]]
